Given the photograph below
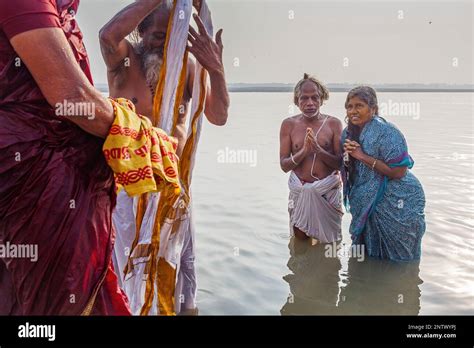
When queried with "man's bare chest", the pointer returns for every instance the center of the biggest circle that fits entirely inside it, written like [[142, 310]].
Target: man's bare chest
[[323, 136]]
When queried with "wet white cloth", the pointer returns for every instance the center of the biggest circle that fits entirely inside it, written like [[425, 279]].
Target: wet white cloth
[[177, 248], [176, 236], [316, 208]]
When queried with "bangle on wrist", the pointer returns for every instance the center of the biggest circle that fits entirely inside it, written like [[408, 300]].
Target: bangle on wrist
[[373, 164]]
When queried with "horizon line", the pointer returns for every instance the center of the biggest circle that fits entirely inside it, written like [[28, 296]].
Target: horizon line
[[344, 84]]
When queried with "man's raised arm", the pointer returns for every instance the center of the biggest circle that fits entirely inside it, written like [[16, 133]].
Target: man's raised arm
[[112, 36]]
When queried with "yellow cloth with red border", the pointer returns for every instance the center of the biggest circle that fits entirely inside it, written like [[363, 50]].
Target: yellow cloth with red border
[[142, 157]]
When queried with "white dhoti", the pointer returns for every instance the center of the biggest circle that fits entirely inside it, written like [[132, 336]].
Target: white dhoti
[[316, 208], [177, 249]]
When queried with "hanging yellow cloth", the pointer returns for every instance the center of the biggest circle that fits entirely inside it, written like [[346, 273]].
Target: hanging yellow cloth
[[142, 157]]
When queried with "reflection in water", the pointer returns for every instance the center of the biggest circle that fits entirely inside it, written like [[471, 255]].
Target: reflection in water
[[381, 287], [314, 284], [372, 286]]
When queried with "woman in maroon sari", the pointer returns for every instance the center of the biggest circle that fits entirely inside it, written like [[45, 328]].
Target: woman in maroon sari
[[56, 190]]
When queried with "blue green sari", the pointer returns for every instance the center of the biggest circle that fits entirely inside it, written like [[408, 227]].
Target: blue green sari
[[387, 214]]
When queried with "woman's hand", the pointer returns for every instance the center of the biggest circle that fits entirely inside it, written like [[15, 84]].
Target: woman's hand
[[353, 148]]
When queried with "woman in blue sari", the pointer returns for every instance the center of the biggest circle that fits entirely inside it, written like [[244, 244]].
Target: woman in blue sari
[[386, 200]]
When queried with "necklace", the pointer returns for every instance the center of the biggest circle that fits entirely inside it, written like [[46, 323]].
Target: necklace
[[314, 157]]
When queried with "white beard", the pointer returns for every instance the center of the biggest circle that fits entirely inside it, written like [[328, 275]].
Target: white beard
[[317, 115], [151, 65]]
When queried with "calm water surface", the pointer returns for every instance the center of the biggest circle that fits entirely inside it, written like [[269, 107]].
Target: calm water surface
[[246, 261]]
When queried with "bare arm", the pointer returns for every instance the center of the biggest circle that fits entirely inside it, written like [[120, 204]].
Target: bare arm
[[114, 46], [209, 54], [384, 169], [286, 163], [60, 78], [217, 100], [354, 149]]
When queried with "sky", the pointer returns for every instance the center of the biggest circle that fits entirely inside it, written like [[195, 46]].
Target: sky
[[358, 41]]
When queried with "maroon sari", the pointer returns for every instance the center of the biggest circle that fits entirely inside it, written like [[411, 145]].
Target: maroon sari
[[56, 190]]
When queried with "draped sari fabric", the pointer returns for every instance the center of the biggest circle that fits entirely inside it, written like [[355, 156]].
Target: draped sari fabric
[[387, 214], [56, 190]]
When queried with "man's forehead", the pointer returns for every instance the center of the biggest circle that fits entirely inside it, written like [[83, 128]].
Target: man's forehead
[[309, 87], [310, 93]]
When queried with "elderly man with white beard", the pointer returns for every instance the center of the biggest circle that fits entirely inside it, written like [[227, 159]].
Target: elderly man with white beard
[[133, 68]]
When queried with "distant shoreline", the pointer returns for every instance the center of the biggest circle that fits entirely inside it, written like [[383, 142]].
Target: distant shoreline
[[347, 89], [287, 88]]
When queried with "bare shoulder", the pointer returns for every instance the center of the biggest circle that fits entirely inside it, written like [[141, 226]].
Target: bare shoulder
[[289, 122], [130, 67], [287, 125], [334, 122]]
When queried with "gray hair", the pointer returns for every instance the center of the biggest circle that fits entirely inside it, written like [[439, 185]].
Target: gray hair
[[365, 93], [135, 36], [165, 5], [323, 91]]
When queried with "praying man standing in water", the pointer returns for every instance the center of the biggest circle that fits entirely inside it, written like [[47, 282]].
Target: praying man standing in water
[[310, 148]]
